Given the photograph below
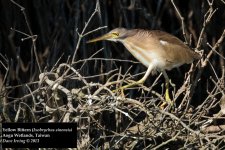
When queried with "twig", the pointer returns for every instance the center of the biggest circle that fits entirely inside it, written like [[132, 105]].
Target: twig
[[81, 35], [166, 142], [182, 21], [205, 62], [207, 18], [32, 36]]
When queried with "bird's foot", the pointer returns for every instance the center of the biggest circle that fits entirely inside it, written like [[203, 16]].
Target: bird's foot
[[168, 100], [121, 89], [172, 84], [167, 97]]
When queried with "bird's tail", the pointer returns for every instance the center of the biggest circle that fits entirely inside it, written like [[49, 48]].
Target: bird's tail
[[196, 55]]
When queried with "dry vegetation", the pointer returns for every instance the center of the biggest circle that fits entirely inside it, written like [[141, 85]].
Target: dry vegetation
[[49, 74]]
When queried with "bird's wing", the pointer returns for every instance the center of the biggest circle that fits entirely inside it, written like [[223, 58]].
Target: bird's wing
[[176, 51]]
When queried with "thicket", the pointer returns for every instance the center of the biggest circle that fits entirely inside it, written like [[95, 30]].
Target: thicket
[[49, 73]]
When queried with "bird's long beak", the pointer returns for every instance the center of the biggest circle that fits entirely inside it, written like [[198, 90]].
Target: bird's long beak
[[104, 37]]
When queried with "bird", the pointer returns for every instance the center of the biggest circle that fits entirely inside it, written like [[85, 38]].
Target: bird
[[157, 50]]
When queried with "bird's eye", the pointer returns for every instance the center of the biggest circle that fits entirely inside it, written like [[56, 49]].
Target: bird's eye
[[116, 34]]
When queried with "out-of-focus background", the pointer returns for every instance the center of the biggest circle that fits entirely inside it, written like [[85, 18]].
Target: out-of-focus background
[[37, 36]]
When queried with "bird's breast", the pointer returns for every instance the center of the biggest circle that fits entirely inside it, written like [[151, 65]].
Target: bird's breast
[[145, 56]]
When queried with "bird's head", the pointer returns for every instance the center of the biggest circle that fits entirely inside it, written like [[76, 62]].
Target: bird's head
[[114, 35]]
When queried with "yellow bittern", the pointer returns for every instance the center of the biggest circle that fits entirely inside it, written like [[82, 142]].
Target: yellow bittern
[[157, 50]]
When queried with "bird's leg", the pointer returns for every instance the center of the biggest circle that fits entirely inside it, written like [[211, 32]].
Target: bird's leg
[[167, 96], [142, 80]]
